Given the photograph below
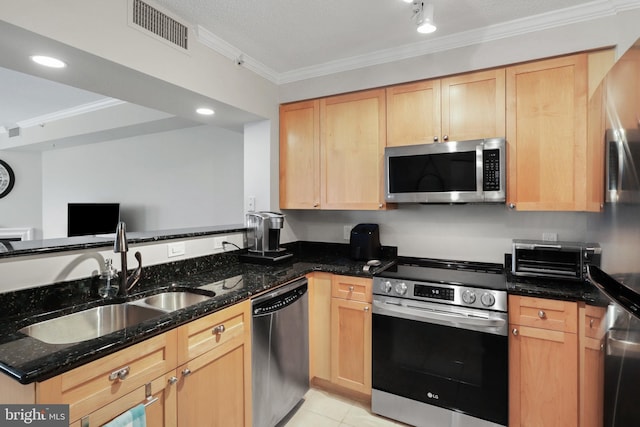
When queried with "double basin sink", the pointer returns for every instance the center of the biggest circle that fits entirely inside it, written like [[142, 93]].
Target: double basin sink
[[98, 321]]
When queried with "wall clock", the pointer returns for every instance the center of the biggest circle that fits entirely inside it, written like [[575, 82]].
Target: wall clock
[[7, 179]]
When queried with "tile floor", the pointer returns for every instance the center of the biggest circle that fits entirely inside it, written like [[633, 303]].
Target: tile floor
[[323, 409]]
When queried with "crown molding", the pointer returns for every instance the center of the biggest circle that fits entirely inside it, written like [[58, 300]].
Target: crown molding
[[207, 38], [70, 112], [558, 18]]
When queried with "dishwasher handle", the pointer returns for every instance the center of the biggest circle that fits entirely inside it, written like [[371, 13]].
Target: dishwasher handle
[[279, 299]]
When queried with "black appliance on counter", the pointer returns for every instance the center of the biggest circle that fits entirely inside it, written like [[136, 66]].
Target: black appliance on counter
[[440, 343], [364, 242], [541, 259]]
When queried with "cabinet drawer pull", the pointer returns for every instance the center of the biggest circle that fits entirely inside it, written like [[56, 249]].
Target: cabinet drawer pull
[[591, 322], [351, 288], [120, 374], [173, 380], [514, 331], [186, 372], [542, 314], [218, 330], [366, 308]]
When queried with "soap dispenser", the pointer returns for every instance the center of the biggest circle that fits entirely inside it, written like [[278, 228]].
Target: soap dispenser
[[108, 280]]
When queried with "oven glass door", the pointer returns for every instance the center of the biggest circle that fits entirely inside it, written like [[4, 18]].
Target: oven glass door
[[450, 367]]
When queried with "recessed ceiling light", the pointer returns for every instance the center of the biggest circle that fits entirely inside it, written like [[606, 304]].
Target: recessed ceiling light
[[205, 111], [48, 61]]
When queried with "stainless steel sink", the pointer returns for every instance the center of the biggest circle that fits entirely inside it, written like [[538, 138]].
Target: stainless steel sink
[[172, 301], [89, 324]]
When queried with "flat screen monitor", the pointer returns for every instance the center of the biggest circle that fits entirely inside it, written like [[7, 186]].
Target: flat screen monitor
[[92, 218]]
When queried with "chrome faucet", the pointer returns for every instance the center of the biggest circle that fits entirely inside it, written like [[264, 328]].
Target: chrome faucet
[[120, 246]]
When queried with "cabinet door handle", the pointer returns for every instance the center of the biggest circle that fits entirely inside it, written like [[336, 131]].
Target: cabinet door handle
[[591, 322], [445, 137], [119, 374], [514, 331], [315, 205], [186, 372], [366, 308], [542, 314], [512, 205], [173, 380], [435, 139], [218, 330]]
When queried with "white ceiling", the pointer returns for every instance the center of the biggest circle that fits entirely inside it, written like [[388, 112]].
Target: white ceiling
[[287, 39], [290, 40]]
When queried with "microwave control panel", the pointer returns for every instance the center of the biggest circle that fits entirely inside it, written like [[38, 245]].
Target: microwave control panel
[[491, 170]]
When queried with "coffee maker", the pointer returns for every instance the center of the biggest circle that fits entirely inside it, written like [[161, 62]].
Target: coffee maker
[[263, 238]]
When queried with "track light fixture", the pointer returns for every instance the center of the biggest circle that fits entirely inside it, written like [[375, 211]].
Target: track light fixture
[[423, 14]]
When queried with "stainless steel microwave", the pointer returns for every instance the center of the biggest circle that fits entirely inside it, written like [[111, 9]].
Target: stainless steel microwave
[[450, 172], [622, 165]]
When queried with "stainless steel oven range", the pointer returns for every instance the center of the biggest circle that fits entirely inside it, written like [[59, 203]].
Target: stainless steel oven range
[[440, 344]]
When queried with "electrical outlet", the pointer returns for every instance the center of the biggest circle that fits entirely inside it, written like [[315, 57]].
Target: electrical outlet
[[175, 249], [550, 237], [217, 242], [251, 206], [347, 232]]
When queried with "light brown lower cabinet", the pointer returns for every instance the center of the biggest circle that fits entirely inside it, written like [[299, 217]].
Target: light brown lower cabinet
[[592, 330], [319, 290], [351, 333], [214, 388], [556, 363], [198, 374], [340, 333]]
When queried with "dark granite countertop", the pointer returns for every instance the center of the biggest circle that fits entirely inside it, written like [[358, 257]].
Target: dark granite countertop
[[556, 289], [27, 359], [34, 247], [567, 290]]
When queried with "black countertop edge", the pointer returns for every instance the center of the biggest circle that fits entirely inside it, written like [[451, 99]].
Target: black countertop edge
[[44, 246], [28, 360], [552, 288]]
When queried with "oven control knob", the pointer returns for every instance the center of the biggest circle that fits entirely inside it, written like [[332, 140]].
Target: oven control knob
[[487, 299], [469, 297], [401, 288], [386, 286]]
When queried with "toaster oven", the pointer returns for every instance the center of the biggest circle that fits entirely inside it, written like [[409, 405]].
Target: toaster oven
[[559, 260]]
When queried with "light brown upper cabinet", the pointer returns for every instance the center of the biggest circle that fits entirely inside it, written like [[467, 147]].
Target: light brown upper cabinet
[[300, 155], [549, 160], [413, 113], [331, 152], [623, 91], [352, 141], [462, 107]]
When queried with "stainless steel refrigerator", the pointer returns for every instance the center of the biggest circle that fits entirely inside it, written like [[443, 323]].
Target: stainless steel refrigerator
[[617, 229]]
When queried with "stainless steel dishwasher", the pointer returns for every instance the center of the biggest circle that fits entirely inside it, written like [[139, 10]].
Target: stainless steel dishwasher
[[280, 352]]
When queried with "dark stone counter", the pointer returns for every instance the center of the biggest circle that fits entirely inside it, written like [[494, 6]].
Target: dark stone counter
[[567, 290], [35, 247], [561, 290], [27, 359]]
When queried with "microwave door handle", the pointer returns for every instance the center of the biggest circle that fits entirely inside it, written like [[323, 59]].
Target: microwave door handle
[[425, 315]]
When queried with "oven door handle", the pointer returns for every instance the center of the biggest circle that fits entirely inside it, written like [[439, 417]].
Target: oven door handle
[[422, 314]]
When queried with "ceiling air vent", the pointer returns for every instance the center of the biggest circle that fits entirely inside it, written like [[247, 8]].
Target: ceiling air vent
[[160, 24]]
